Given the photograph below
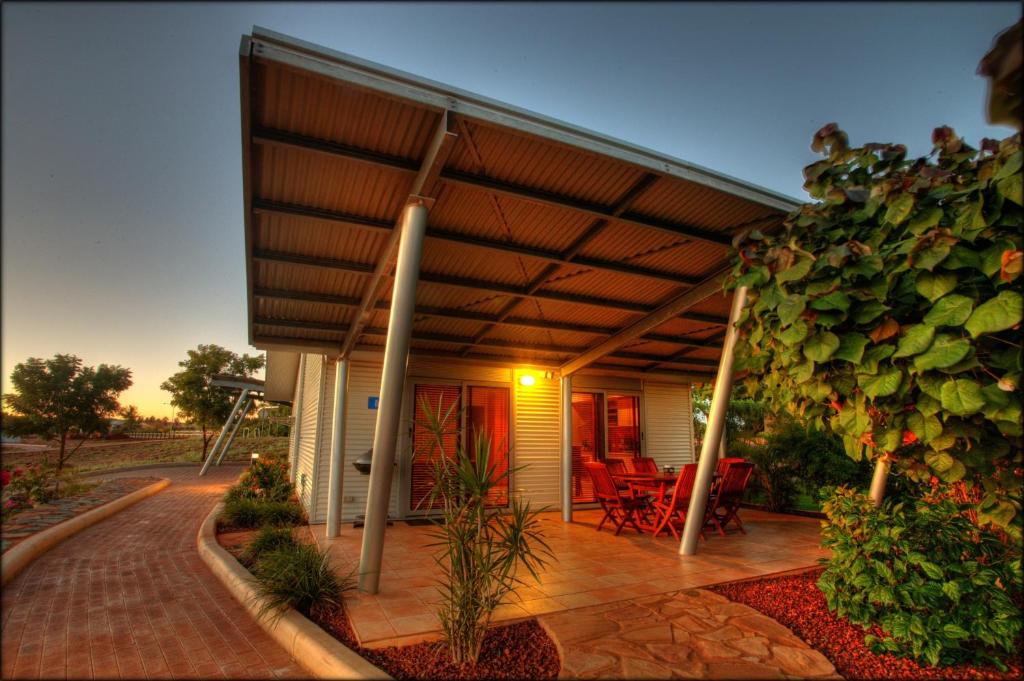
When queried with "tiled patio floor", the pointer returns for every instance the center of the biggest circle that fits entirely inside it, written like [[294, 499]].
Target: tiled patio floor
[[591, 568]]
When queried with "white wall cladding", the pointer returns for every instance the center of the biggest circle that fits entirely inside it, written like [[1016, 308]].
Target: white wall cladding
[[668, 423], [296, 431], [363, 383], [312, 394], [325, 420], [535, 436]]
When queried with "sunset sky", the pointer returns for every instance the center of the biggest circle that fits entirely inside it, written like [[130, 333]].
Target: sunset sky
[[122, 186]]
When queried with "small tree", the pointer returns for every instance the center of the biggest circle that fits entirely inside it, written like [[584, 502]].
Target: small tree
[[889, 310], [58, 396], [193, 392], [131, 417]]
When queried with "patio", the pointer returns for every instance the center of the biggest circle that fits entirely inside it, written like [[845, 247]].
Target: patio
[[591, 568]]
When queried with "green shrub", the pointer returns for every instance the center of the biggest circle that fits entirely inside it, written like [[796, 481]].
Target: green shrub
[[941, 590], [298, 576], [480, 547], [269, 539], [257, 513]]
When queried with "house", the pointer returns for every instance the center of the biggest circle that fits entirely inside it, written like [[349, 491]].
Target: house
[[407, 241]]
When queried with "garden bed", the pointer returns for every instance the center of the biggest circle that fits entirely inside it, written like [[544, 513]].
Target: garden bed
[[516, 651], [796, 602]]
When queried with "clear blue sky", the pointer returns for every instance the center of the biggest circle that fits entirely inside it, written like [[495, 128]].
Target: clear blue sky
[[122, 202]]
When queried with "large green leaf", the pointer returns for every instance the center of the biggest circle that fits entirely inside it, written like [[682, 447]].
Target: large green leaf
[[899, 209], [1002, 312], [821, 346], [946, 351], [851, 347], [934, 285], [940, 462], [798, 270], [794, 333], [925, 220], [951, 310], [962, 396], [837, 300], [882, 384], [915, 340], [926, 428], [927, 258], [1012, 189], [790, 308], [931, 384], [868, 311]]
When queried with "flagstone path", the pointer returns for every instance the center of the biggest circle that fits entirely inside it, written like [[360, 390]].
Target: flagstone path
[[130, 598], [30, 521], [689, 634]]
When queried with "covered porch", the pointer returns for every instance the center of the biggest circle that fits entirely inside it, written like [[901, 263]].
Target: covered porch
[[591, 568]]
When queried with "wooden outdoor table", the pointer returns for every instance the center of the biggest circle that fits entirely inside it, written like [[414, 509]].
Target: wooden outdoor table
[[649, 481]]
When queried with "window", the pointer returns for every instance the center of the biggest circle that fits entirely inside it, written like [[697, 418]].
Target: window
[[603, 426]]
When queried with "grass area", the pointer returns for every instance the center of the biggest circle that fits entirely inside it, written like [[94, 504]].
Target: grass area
[[120, 454]]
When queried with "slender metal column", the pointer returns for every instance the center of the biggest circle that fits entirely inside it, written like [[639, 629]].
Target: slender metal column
[[396, 358], [722, 446], [242, 396], [882, 465], [297, 417], [337, 448], [567, 448], [234, 430], [716, 427]]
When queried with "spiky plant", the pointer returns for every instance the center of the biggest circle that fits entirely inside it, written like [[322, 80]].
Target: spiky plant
[[480, 549]]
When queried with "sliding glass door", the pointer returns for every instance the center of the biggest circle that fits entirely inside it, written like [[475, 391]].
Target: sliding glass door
[[473, 411], [604, 425]]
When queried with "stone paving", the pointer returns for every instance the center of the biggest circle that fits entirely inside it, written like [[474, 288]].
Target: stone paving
[[689, 634], [130, 598], [32, 520]]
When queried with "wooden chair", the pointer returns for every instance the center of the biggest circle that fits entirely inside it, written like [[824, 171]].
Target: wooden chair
[[724, 506], [724, 462], [620, 506], [671, 511], [645, 464]]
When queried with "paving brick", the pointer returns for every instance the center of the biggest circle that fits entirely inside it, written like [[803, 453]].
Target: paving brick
[[129, 597]]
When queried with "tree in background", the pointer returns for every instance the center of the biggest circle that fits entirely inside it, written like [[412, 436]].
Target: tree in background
[[58, 396], [193, 392], [132, 418]]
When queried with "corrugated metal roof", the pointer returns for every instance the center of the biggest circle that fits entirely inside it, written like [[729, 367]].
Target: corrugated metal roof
[[334, 143]]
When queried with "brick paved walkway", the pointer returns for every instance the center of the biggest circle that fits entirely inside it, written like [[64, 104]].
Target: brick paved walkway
[[30, 521], [130, 598]]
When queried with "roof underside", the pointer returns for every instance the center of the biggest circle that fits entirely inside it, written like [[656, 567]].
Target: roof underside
[[542, 241]]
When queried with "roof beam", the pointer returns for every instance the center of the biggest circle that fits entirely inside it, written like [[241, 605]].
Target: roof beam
[[466, 340], [453, 313], [424, 188], [450, 236], [662, 314], [296, 141]]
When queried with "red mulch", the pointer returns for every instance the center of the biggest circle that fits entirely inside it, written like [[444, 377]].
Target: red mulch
[[796, 602], [515, 651]]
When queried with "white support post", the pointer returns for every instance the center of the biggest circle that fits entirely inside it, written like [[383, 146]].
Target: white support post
[[567, 448], [722, 446], [234, 430], [297, 417], [389, 409], [242, 396], [713, 436], [878, 480], [334, 486]]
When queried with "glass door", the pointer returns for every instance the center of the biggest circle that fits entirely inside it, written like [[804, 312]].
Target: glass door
[[623, 426], [587, 441]]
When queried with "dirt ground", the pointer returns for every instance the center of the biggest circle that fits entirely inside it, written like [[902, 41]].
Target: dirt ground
[[100, 454]]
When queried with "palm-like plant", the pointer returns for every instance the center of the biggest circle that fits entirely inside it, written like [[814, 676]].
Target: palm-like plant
[[481, 549]]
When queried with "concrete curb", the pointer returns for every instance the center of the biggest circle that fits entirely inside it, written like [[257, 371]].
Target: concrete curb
[[317, 651], [18, 557]]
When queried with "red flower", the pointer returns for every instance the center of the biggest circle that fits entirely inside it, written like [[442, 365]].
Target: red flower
[[5, 477], [909, 438]]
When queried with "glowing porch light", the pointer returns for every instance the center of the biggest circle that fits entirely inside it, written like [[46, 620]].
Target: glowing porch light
[[527, 379]]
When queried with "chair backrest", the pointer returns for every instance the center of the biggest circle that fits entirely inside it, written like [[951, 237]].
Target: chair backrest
[[683, 489], [734, 482], [724, 462], [604, 485], [645, 464], [616, 466]]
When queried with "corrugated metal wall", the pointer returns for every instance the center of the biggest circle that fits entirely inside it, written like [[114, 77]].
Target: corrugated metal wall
[[296, 432], [312, 394], [325, 419], [363, 383], [668, 423], [535, 434]]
